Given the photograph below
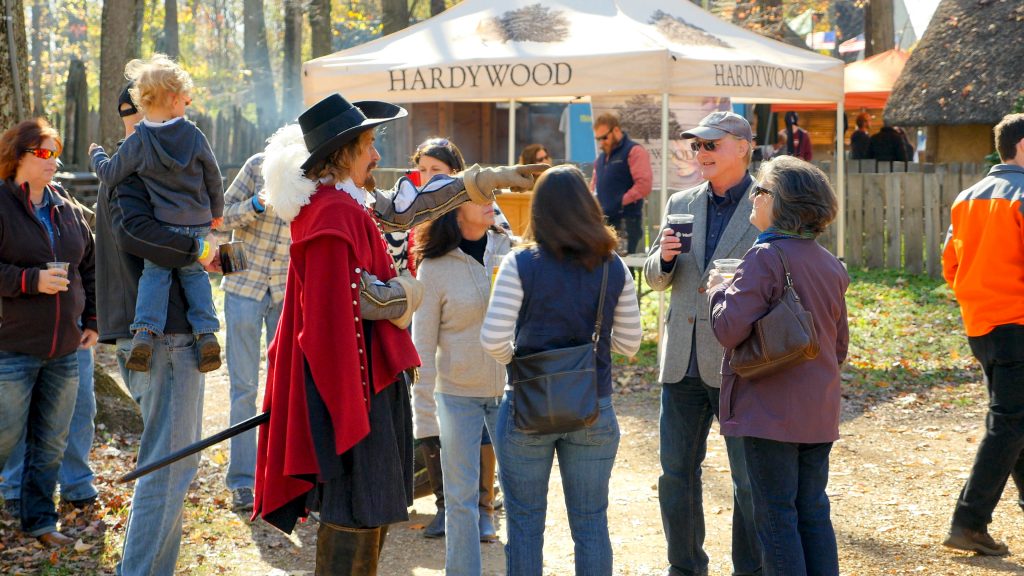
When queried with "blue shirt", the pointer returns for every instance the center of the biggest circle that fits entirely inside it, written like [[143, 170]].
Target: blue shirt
[[43, 214]]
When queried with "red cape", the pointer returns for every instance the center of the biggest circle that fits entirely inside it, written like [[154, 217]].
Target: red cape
[[333, 240]]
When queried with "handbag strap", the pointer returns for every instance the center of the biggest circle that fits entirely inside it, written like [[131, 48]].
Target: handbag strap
[[600, 307], [785, 268]]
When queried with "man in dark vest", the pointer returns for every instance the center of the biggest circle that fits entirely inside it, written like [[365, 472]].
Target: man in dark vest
[[622, 178]]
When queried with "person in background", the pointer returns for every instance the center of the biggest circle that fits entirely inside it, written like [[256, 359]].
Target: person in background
[[432, 157], [49, 313], [690, 355], [535, 154], [983, 262], [174, 159], [455, 256], [622, 179], [798, 141], [861, 137], [532, 311], [252, 306], [887, 145], [788, 420]]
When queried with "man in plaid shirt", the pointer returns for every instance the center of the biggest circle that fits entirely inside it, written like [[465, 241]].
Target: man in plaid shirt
[[252, 300]]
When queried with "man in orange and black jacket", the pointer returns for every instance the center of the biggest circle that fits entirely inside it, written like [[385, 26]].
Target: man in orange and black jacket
[[983, 262]]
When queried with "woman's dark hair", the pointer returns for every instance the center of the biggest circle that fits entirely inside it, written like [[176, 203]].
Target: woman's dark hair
[[440, 149], [437, 237], [802, 198], [529, 155], [566, 220], [23, 136]]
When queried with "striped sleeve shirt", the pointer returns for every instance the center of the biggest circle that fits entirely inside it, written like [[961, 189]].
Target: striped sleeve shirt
[[498, 330]]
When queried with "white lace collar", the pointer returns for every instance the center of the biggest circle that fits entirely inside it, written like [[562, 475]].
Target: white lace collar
[[349, 187]]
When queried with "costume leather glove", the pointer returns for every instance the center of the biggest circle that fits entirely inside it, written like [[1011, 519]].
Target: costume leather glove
[[481, 182], [394, 301]]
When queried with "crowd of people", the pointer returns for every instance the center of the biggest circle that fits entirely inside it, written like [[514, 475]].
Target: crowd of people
[[421, 362]]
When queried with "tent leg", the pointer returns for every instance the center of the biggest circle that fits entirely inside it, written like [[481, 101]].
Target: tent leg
[[511, 132], [662, 203], [840, 183]]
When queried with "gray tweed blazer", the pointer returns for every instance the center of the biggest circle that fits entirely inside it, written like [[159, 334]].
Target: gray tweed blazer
[[689, 304]]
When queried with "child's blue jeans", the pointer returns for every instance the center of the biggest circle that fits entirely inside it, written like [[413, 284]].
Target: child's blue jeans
[[155, 285]]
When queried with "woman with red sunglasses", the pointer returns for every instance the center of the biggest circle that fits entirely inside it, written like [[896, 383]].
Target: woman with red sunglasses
[[48, 311]]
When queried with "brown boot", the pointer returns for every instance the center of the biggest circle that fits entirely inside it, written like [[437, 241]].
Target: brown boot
[[344, 551], [431, 450], [488, 532]]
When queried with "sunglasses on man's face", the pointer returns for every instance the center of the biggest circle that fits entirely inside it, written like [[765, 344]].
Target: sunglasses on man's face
[[708, 145], [42, 153], [604, 137]]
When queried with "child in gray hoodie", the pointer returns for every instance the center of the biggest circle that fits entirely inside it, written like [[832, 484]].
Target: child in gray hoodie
[[175, 162]]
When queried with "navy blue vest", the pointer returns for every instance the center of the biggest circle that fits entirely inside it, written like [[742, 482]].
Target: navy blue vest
[[614, 179], [559, 304]]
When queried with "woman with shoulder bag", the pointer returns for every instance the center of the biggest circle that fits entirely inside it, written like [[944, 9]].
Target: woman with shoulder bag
[[788, 417], [545, 299]]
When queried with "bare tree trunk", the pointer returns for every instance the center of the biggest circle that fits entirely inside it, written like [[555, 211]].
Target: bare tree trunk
[[320, 27], [396, 15], [257, 60], [120, 41], [170, 44], [291, 70], [879, 29], [436, 7], [76, 117], [14, 100], [38, 41]]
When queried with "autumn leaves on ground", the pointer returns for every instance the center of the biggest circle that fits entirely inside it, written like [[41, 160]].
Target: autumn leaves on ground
[[912, 416]]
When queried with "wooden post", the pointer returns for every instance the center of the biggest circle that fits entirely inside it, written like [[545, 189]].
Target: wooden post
[[913, 222], [893, 222], [855, 220], [933, 231], [874, 220]]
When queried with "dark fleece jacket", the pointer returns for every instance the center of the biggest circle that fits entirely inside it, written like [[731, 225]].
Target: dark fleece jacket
[[176, 164], [43, 325]]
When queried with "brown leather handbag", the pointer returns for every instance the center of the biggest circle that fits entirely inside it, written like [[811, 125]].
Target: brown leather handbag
[[783, 337], [555, 391]]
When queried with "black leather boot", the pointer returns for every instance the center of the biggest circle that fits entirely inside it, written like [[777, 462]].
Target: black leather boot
[[488, 532], [344, 551], [431, 450]]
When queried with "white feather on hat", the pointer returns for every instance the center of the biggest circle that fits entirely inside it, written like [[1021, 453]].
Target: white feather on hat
[[287, 187]]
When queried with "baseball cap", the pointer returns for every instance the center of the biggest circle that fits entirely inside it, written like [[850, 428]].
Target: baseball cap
[[126, 98], [717, 124]]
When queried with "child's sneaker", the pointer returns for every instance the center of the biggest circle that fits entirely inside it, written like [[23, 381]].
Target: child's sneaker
[[142, 352], [209, 353]]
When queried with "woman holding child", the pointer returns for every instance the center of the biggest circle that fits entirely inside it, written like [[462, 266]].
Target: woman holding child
[[47, 290]]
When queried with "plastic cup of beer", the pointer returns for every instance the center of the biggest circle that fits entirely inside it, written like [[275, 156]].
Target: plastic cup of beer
[[62, 266], [727, 267], [682, 225]]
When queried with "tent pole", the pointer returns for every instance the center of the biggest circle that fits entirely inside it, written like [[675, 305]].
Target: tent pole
[[840, 183], [663, 201], [511, 131]]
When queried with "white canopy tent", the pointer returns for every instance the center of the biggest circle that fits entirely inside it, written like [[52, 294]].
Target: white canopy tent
[[509, 50]]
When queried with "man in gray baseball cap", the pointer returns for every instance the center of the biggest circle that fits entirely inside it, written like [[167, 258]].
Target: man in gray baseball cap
[[691, 357]]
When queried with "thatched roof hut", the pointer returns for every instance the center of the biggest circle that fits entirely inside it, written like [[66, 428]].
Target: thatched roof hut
[[967, 69]]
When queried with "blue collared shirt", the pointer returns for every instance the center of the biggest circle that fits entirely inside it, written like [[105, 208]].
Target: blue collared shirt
[[43, 214]]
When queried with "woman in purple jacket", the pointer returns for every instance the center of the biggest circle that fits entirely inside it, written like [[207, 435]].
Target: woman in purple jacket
[[788, 420]]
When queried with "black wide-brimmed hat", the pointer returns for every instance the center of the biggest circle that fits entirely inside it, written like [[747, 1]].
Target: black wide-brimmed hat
[[333, 122]]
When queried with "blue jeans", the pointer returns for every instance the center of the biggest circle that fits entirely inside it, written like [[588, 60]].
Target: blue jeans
[[38, 400], [585, 459], [459, 417], [791, 509], [687, 408], [246, 319], [155, 285], [170, 397], [1001, 452], [75, 475]]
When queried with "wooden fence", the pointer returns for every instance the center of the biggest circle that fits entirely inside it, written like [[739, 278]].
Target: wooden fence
[[897, 214]]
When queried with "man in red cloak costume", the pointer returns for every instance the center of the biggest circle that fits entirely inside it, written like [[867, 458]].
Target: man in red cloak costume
[[339, 438]]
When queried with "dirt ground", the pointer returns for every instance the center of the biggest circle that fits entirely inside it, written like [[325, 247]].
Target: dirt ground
[[895, 475]]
